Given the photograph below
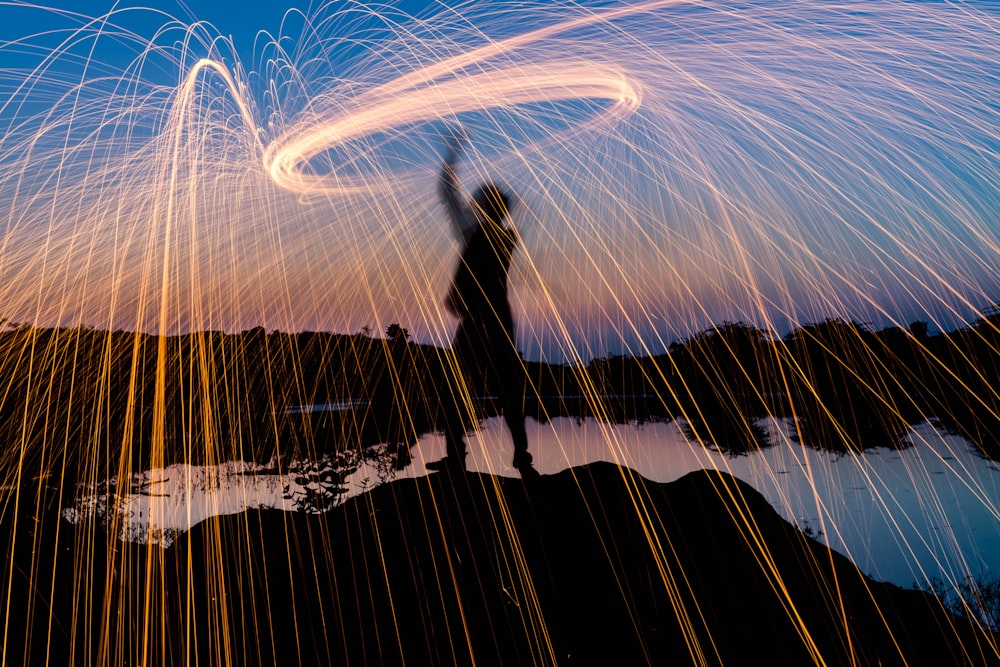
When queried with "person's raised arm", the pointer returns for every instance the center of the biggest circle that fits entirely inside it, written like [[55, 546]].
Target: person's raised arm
[[462, 218]]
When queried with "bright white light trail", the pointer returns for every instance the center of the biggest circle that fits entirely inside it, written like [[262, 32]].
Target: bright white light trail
[[678, 164], [675, 164]]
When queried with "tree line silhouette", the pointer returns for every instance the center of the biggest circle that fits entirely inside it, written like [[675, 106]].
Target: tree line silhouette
[[73, 400]]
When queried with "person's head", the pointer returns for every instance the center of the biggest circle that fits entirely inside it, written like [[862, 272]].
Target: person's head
[[491, 203]]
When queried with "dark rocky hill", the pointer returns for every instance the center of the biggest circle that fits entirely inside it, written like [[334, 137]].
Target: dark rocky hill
[[593, 566]]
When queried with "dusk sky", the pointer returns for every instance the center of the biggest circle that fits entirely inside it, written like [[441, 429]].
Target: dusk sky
[[675, 164]]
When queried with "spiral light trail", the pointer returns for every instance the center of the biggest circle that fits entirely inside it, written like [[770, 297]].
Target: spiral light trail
[[677, 165]]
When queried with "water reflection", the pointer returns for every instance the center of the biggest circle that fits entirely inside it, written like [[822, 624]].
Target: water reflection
[[155, 506], [903, 515]]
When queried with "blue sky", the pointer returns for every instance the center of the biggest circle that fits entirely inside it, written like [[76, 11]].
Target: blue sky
[[240, 20], [782, 165]]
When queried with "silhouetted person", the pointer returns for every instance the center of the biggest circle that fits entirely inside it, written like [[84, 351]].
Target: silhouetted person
[[484, 345]]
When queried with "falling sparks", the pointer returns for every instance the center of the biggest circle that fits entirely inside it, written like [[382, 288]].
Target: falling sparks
[[675, 164]]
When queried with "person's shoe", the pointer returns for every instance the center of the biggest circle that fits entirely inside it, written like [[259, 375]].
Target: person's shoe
[[450, 463], [522, 463], [522, 459]]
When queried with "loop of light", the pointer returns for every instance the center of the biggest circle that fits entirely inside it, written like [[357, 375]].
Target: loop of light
[[287, 158]]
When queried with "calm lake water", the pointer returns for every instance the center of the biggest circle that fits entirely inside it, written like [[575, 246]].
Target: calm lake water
[[905, 516]]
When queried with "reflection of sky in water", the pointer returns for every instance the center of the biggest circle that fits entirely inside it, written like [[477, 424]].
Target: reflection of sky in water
[[157, 505], [903, 516]]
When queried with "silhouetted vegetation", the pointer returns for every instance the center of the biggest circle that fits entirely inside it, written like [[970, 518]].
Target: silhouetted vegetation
[[132, 400], [978, 601], [78, 404]]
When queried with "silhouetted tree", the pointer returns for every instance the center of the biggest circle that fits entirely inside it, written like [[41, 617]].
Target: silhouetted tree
[[844, 395], [397, 335], [726, 371]]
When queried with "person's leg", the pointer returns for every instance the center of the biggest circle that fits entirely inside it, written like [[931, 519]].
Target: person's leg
[[509, 381], [454, 402], [515, 422]]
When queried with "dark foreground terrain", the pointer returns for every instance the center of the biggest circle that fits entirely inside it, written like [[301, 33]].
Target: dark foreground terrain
[[590, 566]]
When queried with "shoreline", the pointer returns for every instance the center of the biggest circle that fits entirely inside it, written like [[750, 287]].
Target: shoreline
[[590, 565]]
